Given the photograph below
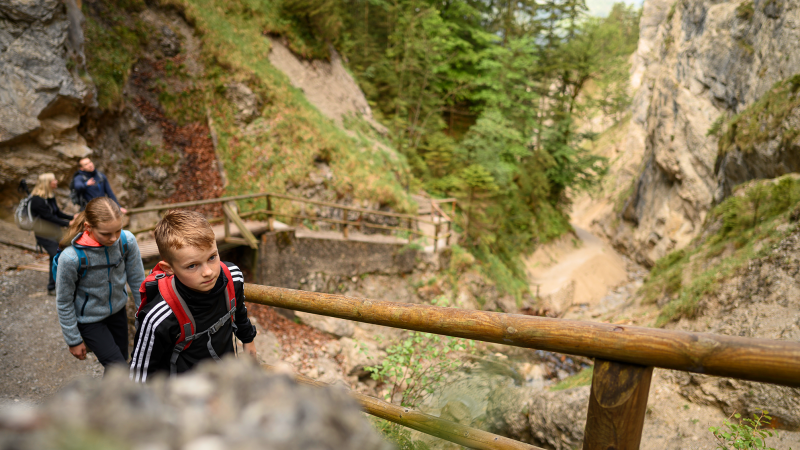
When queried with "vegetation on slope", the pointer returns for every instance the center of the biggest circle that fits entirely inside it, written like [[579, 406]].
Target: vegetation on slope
[[761, 121], [484, 101], [743, 227], [275, 151]]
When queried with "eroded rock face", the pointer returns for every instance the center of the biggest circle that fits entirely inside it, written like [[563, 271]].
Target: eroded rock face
[[696, 60], [762, 301], [220, 406], [40, 97]]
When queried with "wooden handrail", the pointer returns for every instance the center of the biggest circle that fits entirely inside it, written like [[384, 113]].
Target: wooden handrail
[[763, 360], [283, 196], [444, 429]]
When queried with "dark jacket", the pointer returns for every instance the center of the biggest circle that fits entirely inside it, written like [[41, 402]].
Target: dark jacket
[[100, 189], [47, 209], [48, 219], [159, 329]]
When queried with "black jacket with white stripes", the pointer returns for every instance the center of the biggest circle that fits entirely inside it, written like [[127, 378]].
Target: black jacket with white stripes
[[159, 329]]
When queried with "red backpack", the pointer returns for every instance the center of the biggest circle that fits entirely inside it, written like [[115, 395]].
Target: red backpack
[[158, 282]]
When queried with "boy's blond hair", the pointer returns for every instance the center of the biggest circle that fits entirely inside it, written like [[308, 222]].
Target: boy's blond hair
[[180, 228]]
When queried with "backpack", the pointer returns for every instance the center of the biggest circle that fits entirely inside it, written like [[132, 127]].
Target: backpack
[[76, 197], [83, 262], [158, 282], [23, 216]]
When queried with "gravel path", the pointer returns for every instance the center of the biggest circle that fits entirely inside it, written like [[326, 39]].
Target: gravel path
[[34, 360]]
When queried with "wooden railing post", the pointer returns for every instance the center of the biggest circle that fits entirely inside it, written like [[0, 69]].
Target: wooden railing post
[[270, 217], [449, 233], [410, 234], [617, 405], [227, 226], [435, 236], [230, 210]]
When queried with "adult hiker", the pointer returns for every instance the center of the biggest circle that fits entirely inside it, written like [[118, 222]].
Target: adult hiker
[[99, 257], [49, 220], [88, 183]]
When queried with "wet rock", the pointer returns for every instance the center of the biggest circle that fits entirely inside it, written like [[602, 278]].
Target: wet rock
[[219, 406], [540, 417]]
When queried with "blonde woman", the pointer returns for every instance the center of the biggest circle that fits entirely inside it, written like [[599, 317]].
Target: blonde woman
[[48, 227]]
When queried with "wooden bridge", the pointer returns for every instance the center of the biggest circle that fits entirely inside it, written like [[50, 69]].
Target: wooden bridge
[[244, 218], [624, 358]]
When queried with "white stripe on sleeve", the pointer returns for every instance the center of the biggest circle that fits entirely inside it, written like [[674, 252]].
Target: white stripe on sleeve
[[145, 334]]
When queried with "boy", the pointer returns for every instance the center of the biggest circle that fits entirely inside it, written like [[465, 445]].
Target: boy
[[194, 303]]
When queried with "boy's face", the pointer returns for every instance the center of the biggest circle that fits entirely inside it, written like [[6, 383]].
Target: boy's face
[[197, 268]]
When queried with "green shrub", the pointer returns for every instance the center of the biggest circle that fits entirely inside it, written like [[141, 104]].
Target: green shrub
[[417, 366], [746, 434], [748, 220]]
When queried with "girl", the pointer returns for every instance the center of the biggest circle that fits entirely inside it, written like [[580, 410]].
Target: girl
[[90, 282], [48, 228]]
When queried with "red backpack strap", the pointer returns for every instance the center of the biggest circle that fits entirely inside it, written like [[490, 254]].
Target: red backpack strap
[[148, 289], [231, 291], [186, 323]]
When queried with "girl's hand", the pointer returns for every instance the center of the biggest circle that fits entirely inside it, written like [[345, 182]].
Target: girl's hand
[[79, 351], [251, 349]]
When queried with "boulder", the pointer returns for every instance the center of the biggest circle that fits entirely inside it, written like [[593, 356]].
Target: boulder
[[233, 404]]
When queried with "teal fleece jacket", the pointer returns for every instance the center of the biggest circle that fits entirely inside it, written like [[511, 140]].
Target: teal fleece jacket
[[101, 292]]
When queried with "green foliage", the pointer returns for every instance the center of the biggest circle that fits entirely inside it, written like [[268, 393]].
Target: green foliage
[[417, 366], [290, 135], [762, 120], [746, 434], [151, 155], [397, 434], [745, 10], [582, 378], [112, 46], [748, 222]]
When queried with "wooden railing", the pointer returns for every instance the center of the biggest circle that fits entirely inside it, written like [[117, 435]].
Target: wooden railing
[[624, 359], [231, 213]]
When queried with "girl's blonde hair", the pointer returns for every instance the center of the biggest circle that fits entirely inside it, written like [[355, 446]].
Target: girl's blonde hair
[[99, 210], [42, 188]]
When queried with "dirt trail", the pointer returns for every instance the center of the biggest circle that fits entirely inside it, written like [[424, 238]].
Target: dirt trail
[[576, 270]]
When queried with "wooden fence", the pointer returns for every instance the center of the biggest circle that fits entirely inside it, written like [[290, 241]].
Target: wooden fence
[[407, 223], [624, 359]]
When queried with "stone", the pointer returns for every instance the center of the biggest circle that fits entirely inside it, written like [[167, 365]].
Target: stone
[[246, 102], [40, 97], [554, 419], [233, 404], [337, 327]]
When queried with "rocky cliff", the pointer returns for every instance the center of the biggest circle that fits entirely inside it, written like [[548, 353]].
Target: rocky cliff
[[42, 94], [697, 61]]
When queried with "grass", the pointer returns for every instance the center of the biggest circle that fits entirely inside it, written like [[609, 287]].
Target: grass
[[762, 120], [293, 134], [582, 378], [112, 47], [288, 138], [748, 224]]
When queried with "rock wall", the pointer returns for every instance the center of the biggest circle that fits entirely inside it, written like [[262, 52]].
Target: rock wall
[[697, 59], [219, 406], [41, 94], [287, 260]]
